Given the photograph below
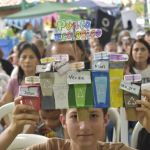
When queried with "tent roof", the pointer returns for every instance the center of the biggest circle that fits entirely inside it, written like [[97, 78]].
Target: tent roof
[[41, 10], [96, 4]]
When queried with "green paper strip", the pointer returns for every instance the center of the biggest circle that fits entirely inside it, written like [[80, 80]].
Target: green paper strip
[[80, 92]]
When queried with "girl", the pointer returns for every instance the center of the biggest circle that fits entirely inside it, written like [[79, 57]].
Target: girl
[[139, 59], [28, 58]]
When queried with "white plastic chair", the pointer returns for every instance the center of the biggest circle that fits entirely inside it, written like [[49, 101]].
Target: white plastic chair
[[25, 140], [135, 133], [7, 110], [115, 118]]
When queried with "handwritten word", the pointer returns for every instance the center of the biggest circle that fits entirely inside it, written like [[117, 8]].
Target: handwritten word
[[28, 91], [100, 65], [132, 88], [74, 77]]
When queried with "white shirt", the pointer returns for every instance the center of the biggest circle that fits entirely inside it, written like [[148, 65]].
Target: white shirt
[[144, 73]]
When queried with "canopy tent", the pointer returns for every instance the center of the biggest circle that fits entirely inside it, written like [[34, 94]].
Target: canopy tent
[[95, 5], [41, 9]]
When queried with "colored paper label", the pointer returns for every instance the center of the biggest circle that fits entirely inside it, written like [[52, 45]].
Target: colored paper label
[[101, 88], [101, 56], [46, 82], [118, 57], [116, 94], [61, 96], [80, 92], [133, 77], [74, 102]]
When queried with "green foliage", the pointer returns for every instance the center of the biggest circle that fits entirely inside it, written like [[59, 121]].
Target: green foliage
[[138, 7]]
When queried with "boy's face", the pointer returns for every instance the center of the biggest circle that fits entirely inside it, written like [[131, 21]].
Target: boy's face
[[87, 132], [50, 118], [62, 48]]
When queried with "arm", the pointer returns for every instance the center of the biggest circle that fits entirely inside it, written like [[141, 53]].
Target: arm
[[22, 115], [8, 95], [6, 98], [143, 112]]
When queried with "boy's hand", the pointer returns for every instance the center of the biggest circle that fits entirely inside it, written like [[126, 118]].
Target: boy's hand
[[22, 115], [143, 112]]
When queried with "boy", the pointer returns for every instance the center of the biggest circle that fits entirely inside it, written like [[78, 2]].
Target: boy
[[88, 134], [51, 125]]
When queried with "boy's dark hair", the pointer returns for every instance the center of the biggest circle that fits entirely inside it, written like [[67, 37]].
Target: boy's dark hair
[[105, 110], [147, 33]]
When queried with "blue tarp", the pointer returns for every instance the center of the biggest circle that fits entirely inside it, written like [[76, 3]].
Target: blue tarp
[[7, 44]]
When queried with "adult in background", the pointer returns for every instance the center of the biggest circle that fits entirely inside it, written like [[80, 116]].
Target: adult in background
[[27, 33], [28, 58], [5, 64]]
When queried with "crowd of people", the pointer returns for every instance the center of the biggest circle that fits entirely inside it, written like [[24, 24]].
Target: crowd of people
[[75, 135]]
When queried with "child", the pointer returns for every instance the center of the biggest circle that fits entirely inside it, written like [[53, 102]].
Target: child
[[139, 60], [88, 134], [51, 125]]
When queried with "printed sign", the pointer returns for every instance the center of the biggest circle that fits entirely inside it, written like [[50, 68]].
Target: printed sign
[[78, 35], [132, 88], [68, 30], [101, 56], [118, 57], [69, 25], [32, 80], [47, 60], [77, 65], [81, 77], [130, 100]]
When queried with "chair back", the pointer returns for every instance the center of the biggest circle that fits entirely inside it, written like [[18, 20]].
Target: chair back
[[115, 118], [23, 141], [135, 133], [7, 110]]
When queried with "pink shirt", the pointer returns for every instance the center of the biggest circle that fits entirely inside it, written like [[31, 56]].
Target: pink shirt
[[13, 87]]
